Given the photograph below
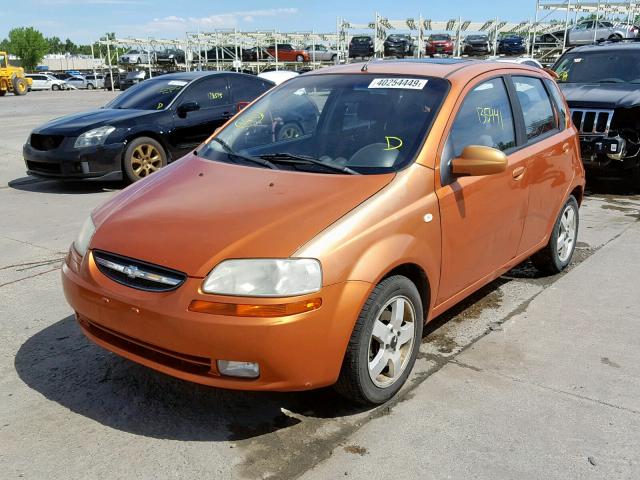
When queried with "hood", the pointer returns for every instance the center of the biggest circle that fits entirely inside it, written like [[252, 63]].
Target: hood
[[608, 95], [72, 125], [195, 213], [512, 41]]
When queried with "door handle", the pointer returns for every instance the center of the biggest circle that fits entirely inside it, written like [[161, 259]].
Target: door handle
[[565, 147], [227, 115], [518, 172]]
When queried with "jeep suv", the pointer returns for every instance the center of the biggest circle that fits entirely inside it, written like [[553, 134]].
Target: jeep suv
[[602, 85]]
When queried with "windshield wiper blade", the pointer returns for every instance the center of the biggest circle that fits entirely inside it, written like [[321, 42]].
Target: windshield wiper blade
[[229, 151], [304, 159]]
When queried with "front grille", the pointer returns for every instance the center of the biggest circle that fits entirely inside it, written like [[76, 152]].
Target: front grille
[[44, 167], [45, 142], [138, 274], [178, 361], [592, 121]]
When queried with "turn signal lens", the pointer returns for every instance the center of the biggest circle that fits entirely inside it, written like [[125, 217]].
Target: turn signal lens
[[245, 310]]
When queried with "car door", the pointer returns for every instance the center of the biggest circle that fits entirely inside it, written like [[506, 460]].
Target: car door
[[215, 108], [550, 149], [584, 33], [482, 217]]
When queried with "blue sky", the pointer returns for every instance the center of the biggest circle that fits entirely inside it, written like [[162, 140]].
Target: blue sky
[[85, 20]]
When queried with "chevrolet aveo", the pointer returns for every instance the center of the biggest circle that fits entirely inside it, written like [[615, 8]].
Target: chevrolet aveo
[[264, 262]]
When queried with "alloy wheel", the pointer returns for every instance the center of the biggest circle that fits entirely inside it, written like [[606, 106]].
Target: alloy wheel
[[392, 341], [567, 233], [145, 160]]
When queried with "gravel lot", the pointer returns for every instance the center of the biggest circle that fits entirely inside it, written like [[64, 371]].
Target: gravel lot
[[534, 377]]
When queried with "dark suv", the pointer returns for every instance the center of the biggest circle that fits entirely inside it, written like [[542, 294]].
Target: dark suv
[[602, 85], [399, 45], [361, 46]]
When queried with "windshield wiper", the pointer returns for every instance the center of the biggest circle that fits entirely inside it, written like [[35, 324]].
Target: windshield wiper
[[229, 151], [304, 159]]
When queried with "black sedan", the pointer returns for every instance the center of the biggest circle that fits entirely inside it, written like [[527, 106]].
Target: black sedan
[[141, 130], [512, 45], [476, 45]]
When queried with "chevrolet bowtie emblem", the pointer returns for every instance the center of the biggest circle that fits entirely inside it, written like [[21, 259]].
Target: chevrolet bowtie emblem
[[130, 271]]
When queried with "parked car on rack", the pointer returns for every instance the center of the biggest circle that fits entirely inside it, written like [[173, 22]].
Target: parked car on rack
[[43, 81], [589, 31], [399, 45], [602, 85], [132, 78], [286, 53], [170, 55], [142, 129], [361, 46], [137, 56], [512, 45], [476, 45], [439, 44], [262, 263], [321, 53]]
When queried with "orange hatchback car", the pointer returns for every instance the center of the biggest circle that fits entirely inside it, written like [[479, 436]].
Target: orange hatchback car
[[270, 262]]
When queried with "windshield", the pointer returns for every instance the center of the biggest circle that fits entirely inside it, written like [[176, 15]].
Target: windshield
[[599, 67], [477, 37], [369, 123], [153, 94], [439, 37]]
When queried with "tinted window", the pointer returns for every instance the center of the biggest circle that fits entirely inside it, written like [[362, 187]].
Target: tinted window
[[246, 89], [536, 106], [485, 118], [209, 92], [369, 123], [599, 67], [558, 100], [152, 94]]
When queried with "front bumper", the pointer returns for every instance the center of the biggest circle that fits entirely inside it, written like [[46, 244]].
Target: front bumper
[[476, 50], [435, 50], [395, 50], [102, 162], [512, 49], [296, 352]]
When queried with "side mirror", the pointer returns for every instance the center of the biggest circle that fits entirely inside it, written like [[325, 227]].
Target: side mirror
[[478, 160], [187, 107]]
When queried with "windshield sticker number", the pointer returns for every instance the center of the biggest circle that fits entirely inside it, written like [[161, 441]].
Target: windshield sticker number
[[405, 83], [393, 143], [179, 83], [250, 120], [489, 115]]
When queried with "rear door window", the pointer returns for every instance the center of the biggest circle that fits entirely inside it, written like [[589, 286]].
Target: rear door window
[[485, 118], [536, 106]]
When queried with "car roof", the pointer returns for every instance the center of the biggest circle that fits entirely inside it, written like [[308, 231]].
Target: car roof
[[455, 69], [607, 46]]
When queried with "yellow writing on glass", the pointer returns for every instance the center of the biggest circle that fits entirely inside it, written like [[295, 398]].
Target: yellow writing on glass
[[215, 95], [249, 120], [489, 116], [160, 105], [393, 143]]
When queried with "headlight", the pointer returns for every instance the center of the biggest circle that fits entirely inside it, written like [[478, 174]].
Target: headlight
[[265, 277], [81, 243], [97, 136]]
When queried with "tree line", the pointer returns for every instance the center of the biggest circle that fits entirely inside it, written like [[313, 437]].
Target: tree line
[[30, 45]]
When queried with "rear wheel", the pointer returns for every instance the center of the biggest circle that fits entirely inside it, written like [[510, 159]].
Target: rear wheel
[[557, 255], [20, 86], [333, 57], [615, 36], [384, 343], [299, 58], [90, 86], [55, 87], [143, 157]]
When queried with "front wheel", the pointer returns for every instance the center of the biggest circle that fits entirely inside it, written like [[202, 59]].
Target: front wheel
[[299, 58], [55, 87], [557, 254], [143, 157], [90, 86], [20, 86], [384, 343]]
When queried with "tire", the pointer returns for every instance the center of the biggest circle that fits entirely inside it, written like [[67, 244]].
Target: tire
[[143, 157], [553, 258], [3, 93], [90, 86], [615, 36], [290, 130], [20, 86], [299, 58], [356, 382], [55, 88], [333, 58]]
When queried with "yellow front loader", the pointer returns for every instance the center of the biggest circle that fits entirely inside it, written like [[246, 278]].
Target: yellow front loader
[[12, 79]]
